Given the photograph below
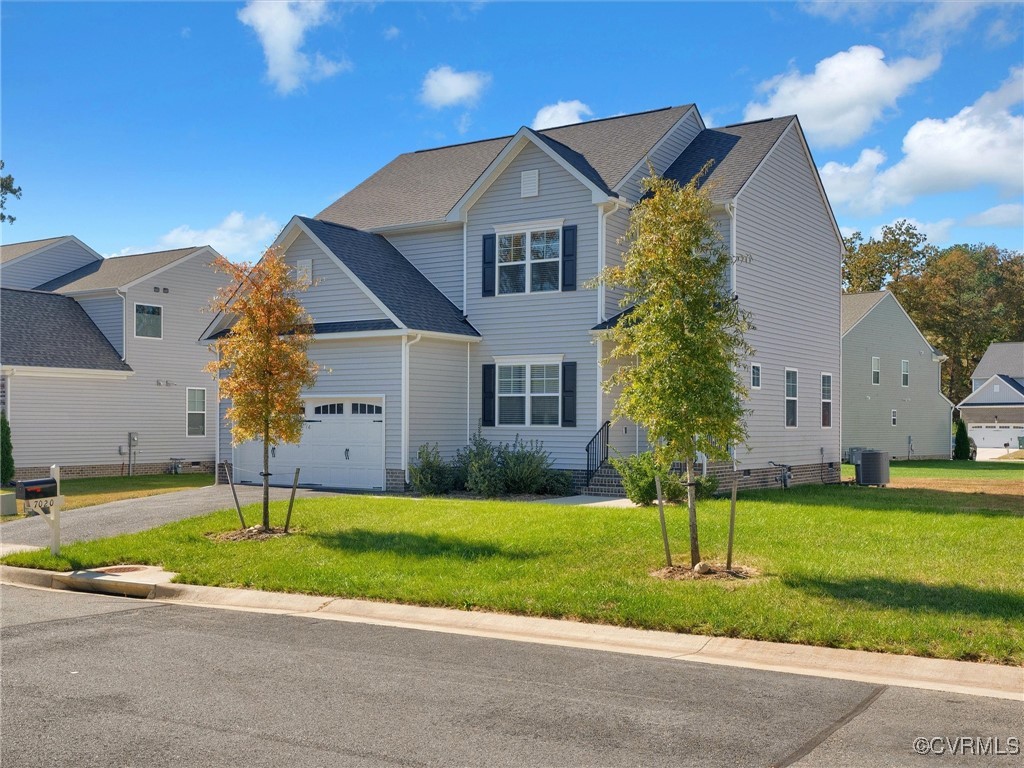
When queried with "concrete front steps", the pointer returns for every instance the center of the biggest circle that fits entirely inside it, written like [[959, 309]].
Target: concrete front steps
[[606, 482]]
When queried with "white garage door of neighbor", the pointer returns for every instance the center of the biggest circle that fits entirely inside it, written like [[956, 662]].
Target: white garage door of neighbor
[[996, 435], [342, 447]]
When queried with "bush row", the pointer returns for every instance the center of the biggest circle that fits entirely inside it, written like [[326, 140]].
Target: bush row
[[638, 472], [490, 470]]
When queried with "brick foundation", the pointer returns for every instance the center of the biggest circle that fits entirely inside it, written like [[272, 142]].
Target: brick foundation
[[69, 472], [394, 481]]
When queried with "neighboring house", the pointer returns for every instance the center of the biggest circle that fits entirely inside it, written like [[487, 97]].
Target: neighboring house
[[891, 398], [103, 349], [994, 411], [453, 294]]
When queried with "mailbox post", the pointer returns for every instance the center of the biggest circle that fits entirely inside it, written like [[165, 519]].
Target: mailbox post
[[40, 497]]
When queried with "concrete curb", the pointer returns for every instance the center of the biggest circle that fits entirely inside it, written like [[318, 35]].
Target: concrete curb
[[975, 679]]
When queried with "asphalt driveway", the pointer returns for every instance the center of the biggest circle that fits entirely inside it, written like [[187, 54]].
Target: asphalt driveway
[[133, 515]]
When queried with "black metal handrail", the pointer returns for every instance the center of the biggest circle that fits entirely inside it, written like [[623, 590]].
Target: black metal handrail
[[597, 451]]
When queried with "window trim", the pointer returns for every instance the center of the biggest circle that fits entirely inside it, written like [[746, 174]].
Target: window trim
[[527, 229], [821, 392], [754, 366], [904, 373], [528, 361], [189, 412], [135, 323], [795, 399], [876, 371], [892, 417]]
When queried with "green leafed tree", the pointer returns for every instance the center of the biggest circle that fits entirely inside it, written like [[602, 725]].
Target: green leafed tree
[[6, 451], [7, 188], [677, 353], [900, 252], [262, 363]]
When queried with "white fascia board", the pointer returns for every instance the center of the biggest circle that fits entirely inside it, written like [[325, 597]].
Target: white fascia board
[[395, 333], [348, 272], [657, 145], [982, 388], [508, 153], [64, 373], [165, 267]]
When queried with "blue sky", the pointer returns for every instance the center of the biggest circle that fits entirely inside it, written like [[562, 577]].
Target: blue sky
[[140, 126]]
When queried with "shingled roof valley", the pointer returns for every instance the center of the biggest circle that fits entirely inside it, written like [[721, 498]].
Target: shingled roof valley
[[49, 330], [115, 272]]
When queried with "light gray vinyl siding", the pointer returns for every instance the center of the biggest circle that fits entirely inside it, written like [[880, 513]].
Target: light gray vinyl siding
[[3, 394], [371, 367], [437, 253], [76, 421], [36, 269], [995, 392], [624, 437], [225, 430], [108, 314], [538, 323], [616, 226], [334, 297], [437, 396], [663, 155], [791, 287], [922, 412]]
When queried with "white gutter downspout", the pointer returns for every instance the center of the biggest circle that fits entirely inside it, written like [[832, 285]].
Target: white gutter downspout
[[124, 323], [465, 266], [405, 401], [730, 208], [468, 407]]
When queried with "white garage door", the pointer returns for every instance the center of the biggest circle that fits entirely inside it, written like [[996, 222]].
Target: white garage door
[[342, 447], [996, 435]]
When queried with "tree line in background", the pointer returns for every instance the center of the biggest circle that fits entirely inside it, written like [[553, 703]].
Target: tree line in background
[[962, 298]]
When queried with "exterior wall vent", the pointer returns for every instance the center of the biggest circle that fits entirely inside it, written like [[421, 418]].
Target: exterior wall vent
[[530, 184]]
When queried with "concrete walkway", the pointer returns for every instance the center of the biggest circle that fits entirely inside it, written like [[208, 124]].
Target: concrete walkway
[[991, 680], [132, 515], [587, 501]]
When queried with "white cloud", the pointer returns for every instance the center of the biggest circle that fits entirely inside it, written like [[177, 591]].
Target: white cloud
[[937, 22], [464, 123], [844, 96], [833, 10], [392, 32], [1008, 215], [561, 113], [123, 252], [235, 237], [444, 87], [937, 232], [281, 27], [983, 144]]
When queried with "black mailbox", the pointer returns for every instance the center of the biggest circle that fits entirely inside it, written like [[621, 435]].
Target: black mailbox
[[44, 488]]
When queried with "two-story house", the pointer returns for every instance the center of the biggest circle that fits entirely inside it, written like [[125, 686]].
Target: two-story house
[[892, 398], [94, 350], [994, 411], [452, 293]]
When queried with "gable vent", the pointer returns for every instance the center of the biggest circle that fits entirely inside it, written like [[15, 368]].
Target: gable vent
[[529, 184]]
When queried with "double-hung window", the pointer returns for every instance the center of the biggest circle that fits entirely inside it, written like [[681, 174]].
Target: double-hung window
[[826, 400], [905, 373], [791, 397], [893, 417], [529, 393], [149, 321], [195, 411], [755, 376], [876, 370], [529, 261]]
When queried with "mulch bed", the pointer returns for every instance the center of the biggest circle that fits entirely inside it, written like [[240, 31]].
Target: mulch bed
[[718, 573], [252, 533]]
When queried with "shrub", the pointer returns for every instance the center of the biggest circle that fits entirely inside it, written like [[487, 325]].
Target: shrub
[[705, 487], [557, 482], [637, 472], [6, 451], [523, 466], [431, 474], [483, 474], [961, 445]]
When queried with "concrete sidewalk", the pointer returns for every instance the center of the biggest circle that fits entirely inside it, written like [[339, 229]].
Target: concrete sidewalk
[[970, 678]]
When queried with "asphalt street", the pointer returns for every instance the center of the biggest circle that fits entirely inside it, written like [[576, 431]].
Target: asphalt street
[[133, 515], [91, 680]]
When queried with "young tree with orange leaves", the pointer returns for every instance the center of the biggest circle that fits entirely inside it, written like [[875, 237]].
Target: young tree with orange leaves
[[262, 362]]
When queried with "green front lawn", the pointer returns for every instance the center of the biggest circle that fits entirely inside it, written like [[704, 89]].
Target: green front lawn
[[876, 569], [948, 470]]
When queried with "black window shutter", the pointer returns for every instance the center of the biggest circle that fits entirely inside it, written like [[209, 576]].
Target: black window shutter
[[489, 266], [487, 418], [569, 258], [568, 394]]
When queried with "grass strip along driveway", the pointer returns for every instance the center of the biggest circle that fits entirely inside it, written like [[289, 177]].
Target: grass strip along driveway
[[897, 570]]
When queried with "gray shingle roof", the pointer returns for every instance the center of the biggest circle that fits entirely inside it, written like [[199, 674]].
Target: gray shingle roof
[[855, 305], [52, 331], [403, 289], [1006, 357], [115, 272], [16, 250], [424, 186], [736, 150]]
